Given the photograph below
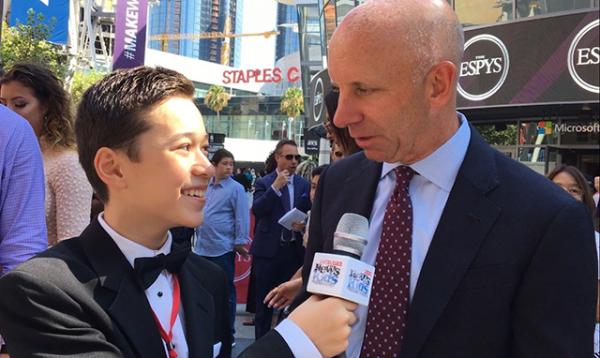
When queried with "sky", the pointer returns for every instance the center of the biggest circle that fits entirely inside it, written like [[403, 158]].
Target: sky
[[258, 16]]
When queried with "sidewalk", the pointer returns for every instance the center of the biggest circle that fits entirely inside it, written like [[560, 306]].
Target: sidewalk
[[244, 335]]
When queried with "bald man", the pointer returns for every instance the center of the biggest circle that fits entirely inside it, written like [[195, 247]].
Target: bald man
[[476, 255]]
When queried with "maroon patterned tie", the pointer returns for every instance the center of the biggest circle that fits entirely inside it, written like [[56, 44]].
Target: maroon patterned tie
[[388, 307]]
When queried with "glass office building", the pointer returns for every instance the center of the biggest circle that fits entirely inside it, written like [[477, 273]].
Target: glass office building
[[197, 17], [287, 25]]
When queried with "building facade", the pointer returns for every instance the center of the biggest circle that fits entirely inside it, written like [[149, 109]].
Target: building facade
[[287, 25], [199, 17], [537, 101]]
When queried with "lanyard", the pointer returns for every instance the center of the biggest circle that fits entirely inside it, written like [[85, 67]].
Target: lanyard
[[168, 337]]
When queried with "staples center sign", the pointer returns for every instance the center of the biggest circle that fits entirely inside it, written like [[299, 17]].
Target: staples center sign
[[265, 75]]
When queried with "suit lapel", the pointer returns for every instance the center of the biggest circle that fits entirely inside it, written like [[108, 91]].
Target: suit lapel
[[298, 191], [364, 180], [129, 309], [465, 222], [361, 183], [198, 309]]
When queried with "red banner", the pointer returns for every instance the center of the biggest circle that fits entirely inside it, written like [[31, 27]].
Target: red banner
[[242, 269]]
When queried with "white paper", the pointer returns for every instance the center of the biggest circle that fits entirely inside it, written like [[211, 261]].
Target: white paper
[[217, 349], [291, 217]]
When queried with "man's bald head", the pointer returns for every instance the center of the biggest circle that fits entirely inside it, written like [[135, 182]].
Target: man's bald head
[[428, 31]]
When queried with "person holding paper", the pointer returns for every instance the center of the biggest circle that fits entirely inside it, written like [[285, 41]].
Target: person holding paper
[[277, 252]]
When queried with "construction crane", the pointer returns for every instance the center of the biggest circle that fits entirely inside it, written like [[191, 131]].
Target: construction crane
[[226, 35], [210, 35]]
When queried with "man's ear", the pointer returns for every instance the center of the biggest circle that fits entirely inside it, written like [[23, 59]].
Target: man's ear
[[440, 83], [107, 163]]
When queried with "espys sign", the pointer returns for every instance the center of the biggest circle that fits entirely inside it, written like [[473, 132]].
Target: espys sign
[[485, 59], [535, 61], [318, 99], [584, 54], [319, 86]]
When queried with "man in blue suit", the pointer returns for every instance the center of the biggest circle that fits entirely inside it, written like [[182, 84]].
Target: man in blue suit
[[476, 255], [277, 252]]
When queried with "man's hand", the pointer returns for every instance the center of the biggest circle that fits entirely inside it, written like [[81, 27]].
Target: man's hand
[[283, 294], [326, 322], [298, 226], [281, 180], [241, 249]]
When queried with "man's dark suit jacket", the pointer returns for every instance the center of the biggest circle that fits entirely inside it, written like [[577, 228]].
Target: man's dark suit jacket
[[511, 270], [81, 299], [268, 208]]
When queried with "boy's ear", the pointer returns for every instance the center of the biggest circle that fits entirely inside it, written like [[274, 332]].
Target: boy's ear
[[108, 168]]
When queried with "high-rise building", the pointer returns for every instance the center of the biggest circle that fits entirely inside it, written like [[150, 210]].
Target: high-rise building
[[197, 17], [287, 24]]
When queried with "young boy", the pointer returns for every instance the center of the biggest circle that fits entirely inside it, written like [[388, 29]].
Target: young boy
[[123, 288], [224, 231]]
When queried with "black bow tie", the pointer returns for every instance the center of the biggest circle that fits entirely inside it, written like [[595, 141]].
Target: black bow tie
[[148, 268]]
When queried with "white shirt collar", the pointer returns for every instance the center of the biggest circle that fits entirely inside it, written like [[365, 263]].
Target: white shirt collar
[[441, 166], [131, 249]]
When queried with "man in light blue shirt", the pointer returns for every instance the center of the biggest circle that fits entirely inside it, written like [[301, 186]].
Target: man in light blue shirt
[[226, 221], [22, 215]]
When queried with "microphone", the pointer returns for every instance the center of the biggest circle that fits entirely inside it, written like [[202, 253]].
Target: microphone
[[341, 273]]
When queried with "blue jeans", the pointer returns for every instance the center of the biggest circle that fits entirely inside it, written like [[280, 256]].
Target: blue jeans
[[227, 263]]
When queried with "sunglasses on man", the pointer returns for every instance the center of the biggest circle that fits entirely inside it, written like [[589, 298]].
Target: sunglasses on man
[[292, 156]]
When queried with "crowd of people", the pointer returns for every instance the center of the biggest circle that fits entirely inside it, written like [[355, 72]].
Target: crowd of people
[[475, 254]]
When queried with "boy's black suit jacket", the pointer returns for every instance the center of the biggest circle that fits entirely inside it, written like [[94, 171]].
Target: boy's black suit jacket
[[82, 298]]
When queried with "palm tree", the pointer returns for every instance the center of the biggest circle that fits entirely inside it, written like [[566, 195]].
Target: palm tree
[[216, 99], [292, 104]]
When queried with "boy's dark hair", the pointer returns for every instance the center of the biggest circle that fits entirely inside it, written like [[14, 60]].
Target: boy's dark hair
[[283, 142], [319, 170], [111, 113], [220, 155]]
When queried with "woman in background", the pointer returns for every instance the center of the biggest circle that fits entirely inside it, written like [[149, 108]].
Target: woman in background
[[343, 144], [36, 94], [573, 181]]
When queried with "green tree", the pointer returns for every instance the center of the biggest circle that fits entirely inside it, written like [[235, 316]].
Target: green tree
[[29, 43], [292, 105], [216, 99], [81, 82], [498, 134]]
